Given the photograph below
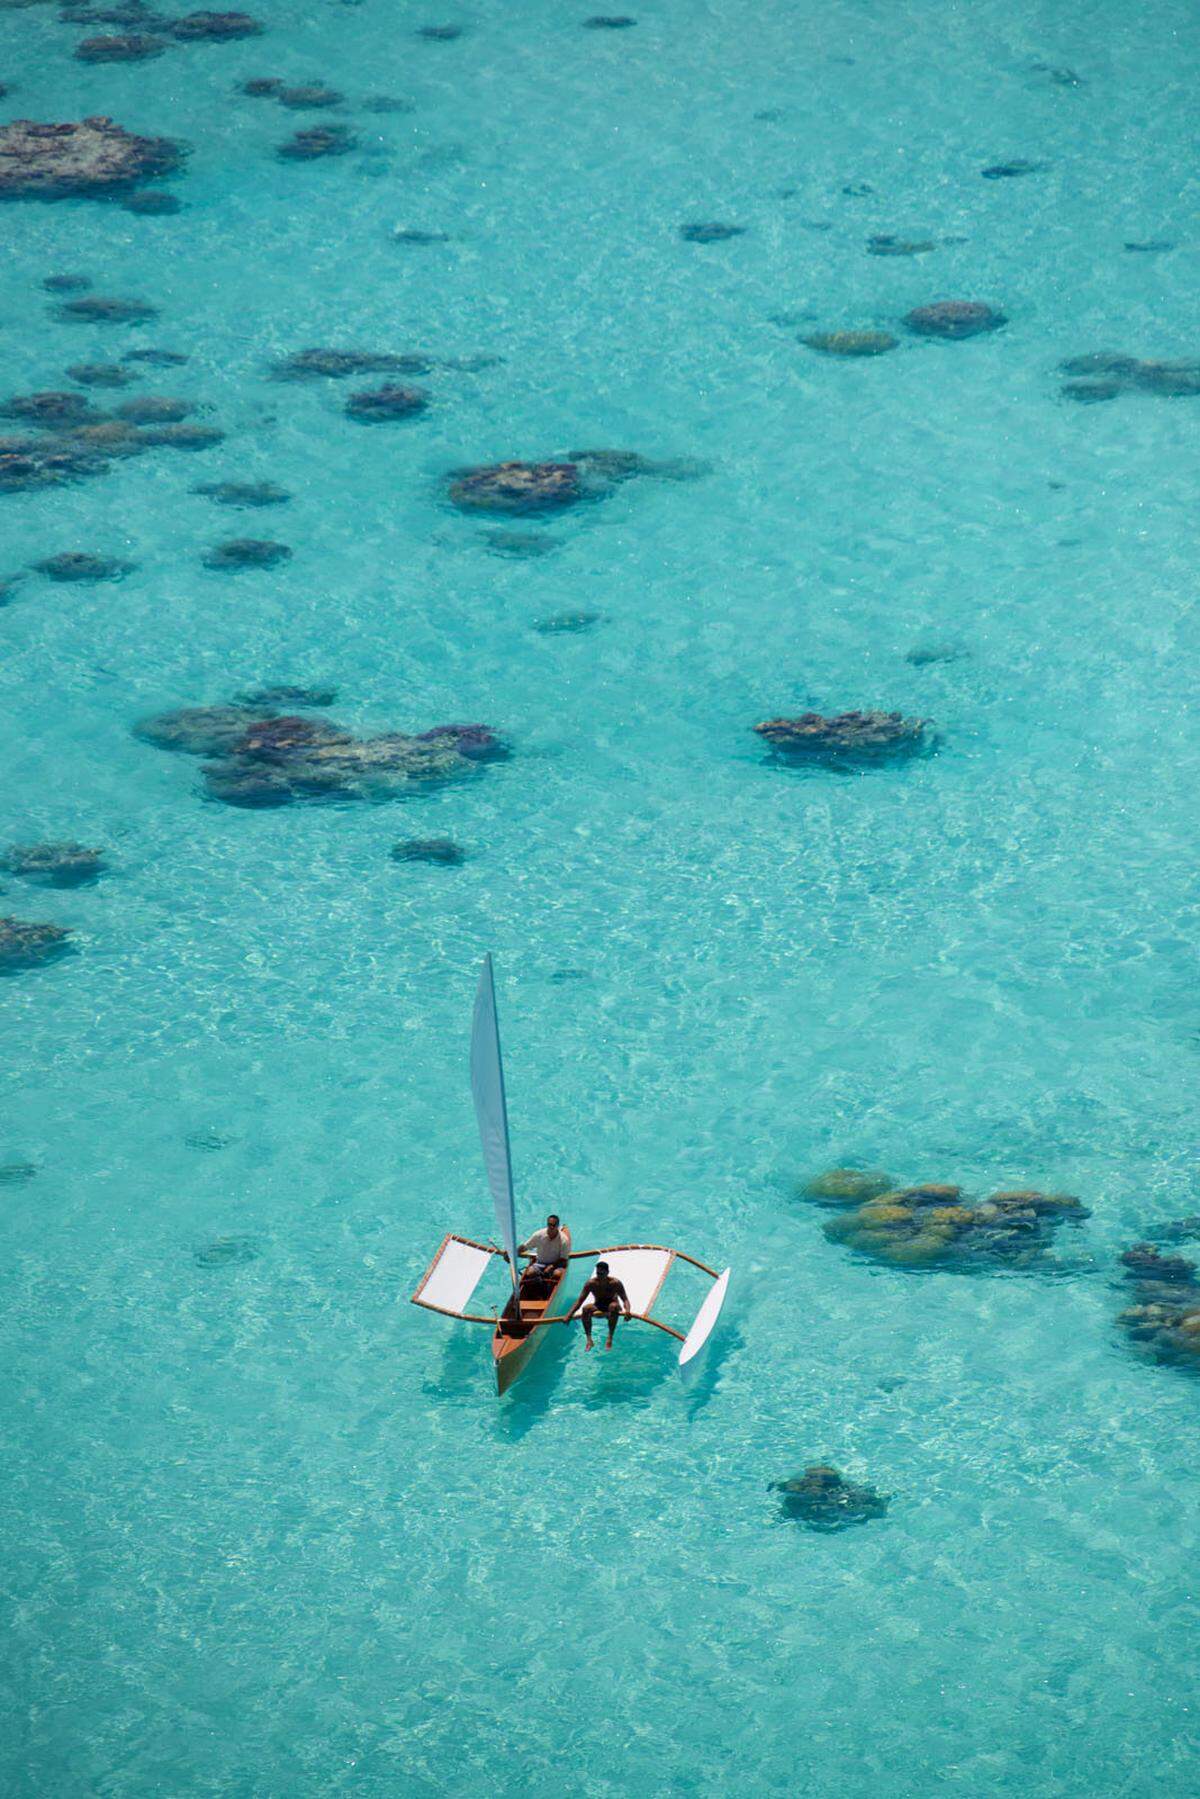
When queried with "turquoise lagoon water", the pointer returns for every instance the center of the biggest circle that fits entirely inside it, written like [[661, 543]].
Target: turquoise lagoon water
[[268, 1530]]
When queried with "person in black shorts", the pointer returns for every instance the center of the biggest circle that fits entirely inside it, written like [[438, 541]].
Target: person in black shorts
[[603, 1293]]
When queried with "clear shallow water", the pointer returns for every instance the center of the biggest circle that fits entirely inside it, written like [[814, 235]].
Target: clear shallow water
[[268, 1528]]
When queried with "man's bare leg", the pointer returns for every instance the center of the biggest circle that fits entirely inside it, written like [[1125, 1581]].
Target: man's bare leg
[[588, 1312], [614, 1312]]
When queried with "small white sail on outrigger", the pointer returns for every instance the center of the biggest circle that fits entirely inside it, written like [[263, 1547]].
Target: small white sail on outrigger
[[449, 1283]]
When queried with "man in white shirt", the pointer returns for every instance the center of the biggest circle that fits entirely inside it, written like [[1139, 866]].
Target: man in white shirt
[[549, 1249]]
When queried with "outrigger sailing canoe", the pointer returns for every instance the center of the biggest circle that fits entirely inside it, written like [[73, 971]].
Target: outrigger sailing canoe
[[460, 1263]]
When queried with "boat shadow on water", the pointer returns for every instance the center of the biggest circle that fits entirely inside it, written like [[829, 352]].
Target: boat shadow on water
[[703, 1384], [457, 1376], [636, 1371]]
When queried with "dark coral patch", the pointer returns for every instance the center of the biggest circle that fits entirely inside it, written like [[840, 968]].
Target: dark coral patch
[[517, 487], [318, 141], [271, 697], [886, 245], [384, 404], [52, 411], [711, 232], [25, 945], [97, 309], [336, 365], [1163, 1324], [95, 156], [53, 864], [83, 566], [247, 552], [227, 1252], [954, 319], [267, 759], [931, 1226], [309, 98], [442, 852], [845, 736], [134, 47], [243, 493], [568, 624], [214, 27], [822, 1499], [851, 343], [99, 375], [158, 359], [1007, 171], [154, 409]]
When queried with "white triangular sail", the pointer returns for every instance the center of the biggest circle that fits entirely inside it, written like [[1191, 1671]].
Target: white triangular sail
[[487, 1088]]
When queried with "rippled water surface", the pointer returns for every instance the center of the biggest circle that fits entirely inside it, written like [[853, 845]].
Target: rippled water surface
[[268, 1529]]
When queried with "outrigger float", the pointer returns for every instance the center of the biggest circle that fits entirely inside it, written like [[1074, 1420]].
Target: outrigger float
[[449, 1282]]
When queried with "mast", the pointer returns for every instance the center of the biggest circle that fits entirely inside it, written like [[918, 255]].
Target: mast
[[491, 1112]]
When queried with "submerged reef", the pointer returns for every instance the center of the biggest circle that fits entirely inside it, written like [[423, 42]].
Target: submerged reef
[[247, 552], [94, 156], [154, 409], [100, 374], [530, 487], [181, 437], [1163, 1324], [823, 1499], [318, 141], [844, 737], [266, 759], [846, 1186], [1178, 1230], [954, 319], [133, 47], [311, 97], [53, 410], [243, 493], [336, 365], [53, 864], [713, 233], [157, 359], [443, 852], [886, 245], [383, 404], [287, 695], [568, 624], [76, 440], [930, 1226], [1006, 171], [517, 487], [25, 945], [98, 309], [227, 1252], [851, 343], [83, 565], [213, 27], [1106, 373]]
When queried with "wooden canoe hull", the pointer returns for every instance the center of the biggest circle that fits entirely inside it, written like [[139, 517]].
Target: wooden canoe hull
[[512, 1351]]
